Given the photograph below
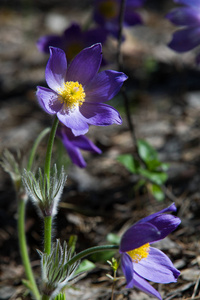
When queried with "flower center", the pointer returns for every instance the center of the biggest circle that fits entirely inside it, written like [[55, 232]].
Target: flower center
[[139, 253], [109, 9], [72, 95]]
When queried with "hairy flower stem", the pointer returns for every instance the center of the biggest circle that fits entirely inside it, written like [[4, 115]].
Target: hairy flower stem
[[47, 168], [47, 234], [21, 224], [91, 250], [24, 250]]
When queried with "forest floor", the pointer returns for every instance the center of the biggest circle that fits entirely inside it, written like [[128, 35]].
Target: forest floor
[[164, 93]]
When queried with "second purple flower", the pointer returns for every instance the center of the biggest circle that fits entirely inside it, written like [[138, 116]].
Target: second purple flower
[[187, 17], [139, 260], [76, 94]]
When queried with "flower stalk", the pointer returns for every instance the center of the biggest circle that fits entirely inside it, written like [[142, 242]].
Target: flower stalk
[[21, 224], [90, 251], [23, 248], [47, 168], [47, 234]]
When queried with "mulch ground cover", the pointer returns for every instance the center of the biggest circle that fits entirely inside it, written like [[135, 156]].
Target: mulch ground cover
[[164, 96]]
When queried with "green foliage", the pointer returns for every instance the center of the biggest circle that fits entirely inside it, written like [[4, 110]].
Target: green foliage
[[152, 172], [103, 256], [157, 192], [72, 243], [114, 264], [113, 238], [56, 272], [129, 162], [85, 266], [60, 297], [154, 176]]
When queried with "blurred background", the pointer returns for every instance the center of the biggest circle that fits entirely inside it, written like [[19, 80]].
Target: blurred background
[[164, 95]]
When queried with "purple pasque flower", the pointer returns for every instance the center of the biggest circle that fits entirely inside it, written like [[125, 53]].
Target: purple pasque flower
[[76, 94], [106, 14], [139, 260], [73, 40], [73, 144], [188, 17]]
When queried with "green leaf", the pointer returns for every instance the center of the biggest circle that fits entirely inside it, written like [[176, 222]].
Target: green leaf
[[164, 166], [72, 242], [102, 256], [85, 266], [60, 297], [139, 184], [113, 238], [130, 163], [156, 177], [27, 284], [114, 264], [148, 154], [157, 192]]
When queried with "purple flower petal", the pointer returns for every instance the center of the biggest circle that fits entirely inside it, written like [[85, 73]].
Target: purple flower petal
[[165, 224], [171, 208], [144, 286], [184, 16], [74, 152], [185, 40], [132, 18], [106, 14], [135, 3], [83, 69], [100, 114], [102, 15], [85, 65], [56, 68], [93, 36], [84, 143], [104, 86], [193, 3], [74, 41], [74, 120], [46, 41], [72, 33], [137, 236], [157, 267], [48, 100], [73, 143], [127, 268]]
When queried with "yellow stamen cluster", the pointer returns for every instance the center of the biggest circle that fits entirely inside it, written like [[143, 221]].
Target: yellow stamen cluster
[[109, 9], [139, 253], [72, 95]]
